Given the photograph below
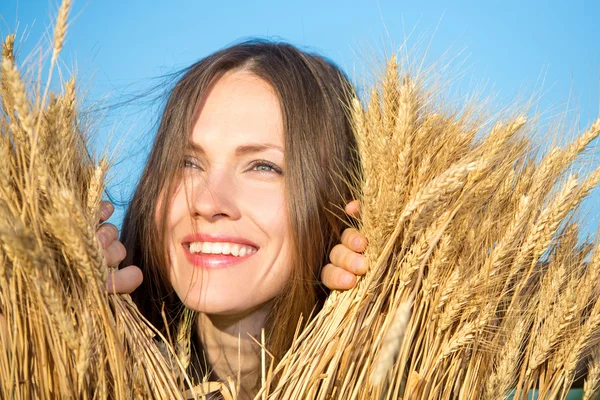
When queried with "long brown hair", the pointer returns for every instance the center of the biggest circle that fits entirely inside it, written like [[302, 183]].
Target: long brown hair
[[318, 144]]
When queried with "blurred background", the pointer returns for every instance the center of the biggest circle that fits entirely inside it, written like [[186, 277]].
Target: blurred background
[[511, 49]]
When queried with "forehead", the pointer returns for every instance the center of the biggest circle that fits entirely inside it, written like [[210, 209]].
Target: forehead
[[238, 107]]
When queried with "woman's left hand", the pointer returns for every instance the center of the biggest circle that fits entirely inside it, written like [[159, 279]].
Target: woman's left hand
[[347, 262]]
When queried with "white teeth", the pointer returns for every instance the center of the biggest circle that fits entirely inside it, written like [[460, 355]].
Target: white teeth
[[216, 248], [235, 249], [226, 248], [195, 247]]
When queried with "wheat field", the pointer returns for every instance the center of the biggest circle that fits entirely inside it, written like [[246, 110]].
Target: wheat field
[[480, 285]]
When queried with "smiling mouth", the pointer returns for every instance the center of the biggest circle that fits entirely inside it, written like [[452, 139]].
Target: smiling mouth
[[220, 248]]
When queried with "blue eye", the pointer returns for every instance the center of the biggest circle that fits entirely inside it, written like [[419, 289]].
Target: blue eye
[[189, 162], [265, 166]]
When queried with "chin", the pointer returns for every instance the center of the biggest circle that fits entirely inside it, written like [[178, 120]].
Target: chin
[[214, 307], [218, 299]]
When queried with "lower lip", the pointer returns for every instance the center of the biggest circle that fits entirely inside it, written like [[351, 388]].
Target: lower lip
[[214, 261]]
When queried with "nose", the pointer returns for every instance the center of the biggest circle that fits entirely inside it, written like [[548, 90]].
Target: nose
[[214, 197]]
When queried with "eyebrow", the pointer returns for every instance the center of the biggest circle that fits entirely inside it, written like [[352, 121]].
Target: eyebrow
[[256, 147], [242, 150]]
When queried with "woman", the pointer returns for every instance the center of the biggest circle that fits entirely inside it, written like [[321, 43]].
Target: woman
[[239, 203]]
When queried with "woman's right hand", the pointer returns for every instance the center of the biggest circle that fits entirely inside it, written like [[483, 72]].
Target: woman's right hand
[[120, 281]]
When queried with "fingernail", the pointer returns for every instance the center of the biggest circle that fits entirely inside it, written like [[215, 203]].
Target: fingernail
[[102, 238], [103, 212], [358, 265], [357, 243], [347, 279]]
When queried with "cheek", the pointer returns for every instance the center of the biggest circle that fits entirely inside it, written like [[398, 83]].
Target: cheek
[[178, 206], [177, 210], [275, 222], [268, 209], [177, 215]]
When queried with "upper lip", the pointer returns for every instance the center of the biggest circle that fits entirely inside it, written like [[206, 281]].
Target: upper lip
[[217, 237]]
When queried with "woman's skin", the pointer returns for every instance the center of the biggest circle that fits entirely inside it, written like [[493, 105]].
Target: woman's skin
[[227, 232]]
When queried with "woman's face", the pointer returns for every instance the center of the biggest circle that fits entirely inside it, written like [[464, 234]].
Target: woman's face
[[227, 229]]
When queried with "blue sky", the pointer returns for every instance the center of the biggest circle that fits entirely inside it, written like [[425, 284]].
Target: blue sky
[[512, 47]]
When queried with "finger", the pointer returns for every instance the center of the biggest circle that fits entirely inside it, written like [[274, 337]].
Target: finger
[[125, 280], [353, 262], [336, 278], [115, 253], [353, 208], [106, 210], [354, 240], [106, 234]]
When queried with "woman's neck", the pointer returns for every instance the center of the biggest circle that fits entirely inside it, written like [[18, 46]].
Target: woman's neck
[[229, 349]]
